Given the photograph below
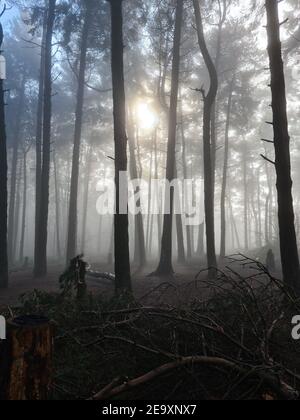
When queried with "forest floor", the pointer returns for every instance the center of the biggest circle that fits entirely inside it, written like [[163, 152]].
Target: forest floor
[[22, 282], [179, 338]]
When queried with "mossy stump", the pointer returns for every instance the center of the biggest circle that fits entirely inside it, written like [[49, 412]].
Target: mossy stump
[[26, 359]]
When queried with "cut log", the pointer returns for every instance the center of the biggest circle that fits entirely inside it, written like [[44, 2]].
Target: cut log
[[26, 359]]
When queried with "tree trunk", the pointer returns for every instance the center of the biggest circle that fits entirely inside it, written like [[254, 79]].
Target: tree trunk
[[209, 101], [245, 182], [165, 266], [139, 247], [57, 207], [181, 259], [39, 135], [185, 176], [13, 177], [121, 222], [3, 188], [23, 225], [225, 171], [86, 197], [73, 204], [286, 217], [17, 211], [26, 360], [259, 209], [40, 263]]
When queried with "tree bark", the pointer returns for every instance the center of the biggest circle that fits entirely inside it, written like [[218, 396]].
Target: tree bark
[[17, 211], [26, 360], [189, 248], [57, 207], [286, 217], [245, 182], [209, 101], [13, 177], [121, 222], [40, 263], [86, 197], [165, 266], [24, 209], [3, 188], [225, 172], [39, 135], [73, 204], [139, 247]]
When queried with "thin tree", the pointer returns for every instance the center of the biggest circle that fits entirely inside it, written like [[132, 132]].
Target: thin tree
[[24, 205], [3, 186], [14, 170], [73, 204], [165, 266], [40, 263], [121, 222], [39, 134], [140, 246], [286, 216], [209, 100], [225, 172]]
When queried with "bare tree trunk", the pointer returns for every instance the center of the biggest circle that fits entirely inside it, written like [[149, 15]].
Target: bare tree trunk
[[150, 215], [259, 209], [73, 205], [17, 211], [245, 182], [165, 266], [3, 187], [287, 234], [13, 177], [200, 242], [181, 259], [234, 224], [39, 135], [140, 247], [40, 263], [209, 101], [225, 171], [122, 257], [57, 207], [23, 225], [86, 197], [185, 176], [159, 226]]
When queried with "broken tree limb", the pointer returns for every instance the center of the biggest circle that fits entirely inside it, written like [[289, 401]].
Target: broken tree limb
[[284, 391]]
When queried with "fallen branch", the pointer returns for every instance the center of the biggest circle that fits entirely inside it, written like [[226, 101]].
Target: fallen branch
[[283, 390]]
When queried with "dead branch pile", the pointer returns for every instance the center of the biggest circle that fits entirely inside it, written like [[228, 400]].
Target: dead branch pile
[[233, 344]]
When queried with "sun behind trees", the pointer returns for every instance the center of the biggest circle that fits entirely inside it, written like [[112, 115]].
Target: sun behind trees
[[178, 98], [149, 136]]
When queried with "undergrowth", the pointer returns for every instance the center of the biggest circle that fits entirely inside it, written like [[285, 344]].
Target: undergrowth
[[242, 320]]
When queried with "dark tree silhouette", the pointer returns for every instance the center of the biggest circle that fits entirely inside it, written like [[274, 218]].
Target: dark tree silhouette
[[225, 172], [39, 135], [165, 267], [209, 100], [3, 187], [287, 233], [40, 263], [73, 205], [122, 259]]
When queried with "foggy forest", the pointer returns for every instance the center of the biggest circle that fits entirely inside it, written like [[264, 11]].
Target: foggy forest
[[149, 201]]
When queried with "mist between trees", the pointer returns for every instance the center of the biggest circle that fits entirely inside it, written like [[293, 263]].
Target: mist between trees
[[161, 91]]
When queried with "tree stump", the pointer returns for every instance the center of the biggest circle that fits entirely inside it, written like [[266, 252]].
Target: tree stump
[[26, 359]]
